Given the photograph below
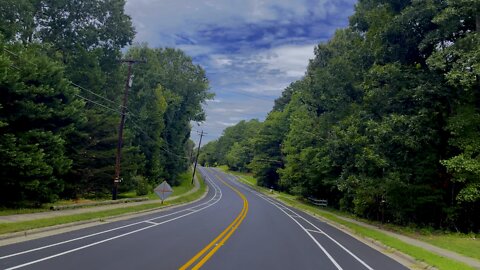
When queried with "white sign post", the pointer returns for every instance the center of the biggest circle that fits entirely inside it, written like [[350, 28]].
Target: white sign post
[[163, 190]]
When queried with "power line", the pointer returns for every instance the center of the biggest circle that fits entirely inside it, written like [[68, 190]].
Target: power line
[[167, 143], [95, 94], [72, 83], [261, 97], [14, 67], [148, 136], [99, 104], [102, 105], [90, 91], [267, 160], [18, 56]]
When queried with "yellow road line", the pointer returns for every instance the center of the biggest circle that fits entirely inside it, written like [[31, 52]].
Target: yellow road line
[[222, 237], [210, 254]]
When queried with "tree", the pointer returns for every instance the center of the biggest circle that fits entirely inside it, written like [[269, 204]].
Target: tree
[[456, 57], [167, 95], [38, 112], [267, 156]]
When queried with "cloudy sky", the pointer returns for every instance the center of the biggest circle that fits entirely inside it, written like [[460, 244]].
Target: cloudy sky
[[250, 49]]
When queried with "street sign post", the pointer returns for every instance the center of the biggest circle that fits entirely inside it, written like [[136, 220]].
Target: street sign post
[[163, 190]]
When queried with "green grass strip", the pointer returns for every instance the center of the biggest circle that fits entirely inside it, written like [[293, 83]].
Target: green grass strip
[[460, 243], [416, 252], [99, 215]]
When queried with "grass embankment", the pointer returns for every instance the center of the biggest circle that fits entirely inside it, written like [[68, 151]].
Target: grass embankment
[[124, 195], [468, 245], [46, 207], [183, 188], [461, 244], [185, 179]]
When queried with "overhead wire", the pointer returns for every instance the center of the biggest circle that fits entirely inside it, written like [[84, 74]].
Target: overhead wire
[[260, 97], [129, 113], [161, 147], [81, 88], [95, 94], [99, 104], [268, 160]]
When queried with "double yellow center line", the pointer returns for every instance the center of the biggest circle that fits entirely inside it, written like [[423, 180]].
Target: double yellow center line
[[207, 252]]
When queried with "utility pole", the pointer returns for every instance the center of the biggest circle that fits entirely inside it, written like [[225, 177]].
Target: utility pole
[[128, 84], [198, 153]]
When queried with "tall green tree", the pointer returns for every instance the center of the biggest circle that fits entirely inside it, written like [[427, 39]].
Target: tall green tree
[[167, 95], [38, 112], [267, 158], [385, 122]]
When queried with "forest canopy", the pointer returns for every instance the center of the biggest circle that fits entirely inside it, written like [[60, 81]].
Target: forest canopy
[[385, 123], [61, 86]]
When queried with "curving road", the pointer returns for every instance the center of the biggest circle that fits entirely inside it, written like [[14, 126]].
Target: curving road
[[233, 227]]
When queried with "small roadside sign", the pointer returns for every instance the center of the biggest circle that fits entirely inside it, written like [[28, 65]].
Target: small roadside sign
[[163, 190]]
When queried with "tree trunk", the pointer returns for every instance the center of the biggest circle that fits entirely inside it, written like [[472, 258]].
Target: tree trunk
[[478, 22]]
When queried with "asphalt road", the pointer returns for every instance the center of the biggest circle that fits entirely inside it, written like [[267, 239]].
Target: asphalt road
[[233, 227]]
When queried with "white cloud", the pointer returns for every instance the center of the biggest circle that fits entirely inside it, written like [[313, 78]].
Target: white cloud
[[251, 49], [291, 60], [227, 124], [153, 19], [239, 110], [237, 119], [195, 50], [225, 110], [220, 60], [214, 100], [219, 110]]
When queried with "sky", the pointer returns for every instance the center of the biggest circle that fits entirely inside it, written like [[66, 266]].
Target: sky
[[250, 49]]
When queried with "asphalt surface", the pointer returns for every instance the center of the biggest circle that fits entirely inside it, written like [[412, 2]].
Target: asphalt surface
[[233, 227]]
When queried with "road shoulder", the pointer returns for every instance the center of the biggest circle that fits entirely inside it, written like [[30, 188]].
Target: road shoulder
[[403, 258], [27, 235]]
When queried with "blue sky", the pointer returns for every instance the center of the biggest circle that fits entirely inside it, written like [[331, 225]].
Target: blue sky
[[250, 49]]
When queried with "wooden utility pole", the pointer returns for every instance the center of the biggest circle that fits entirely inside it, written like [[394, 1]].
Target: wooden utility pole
[[128, 84], [198, 153]]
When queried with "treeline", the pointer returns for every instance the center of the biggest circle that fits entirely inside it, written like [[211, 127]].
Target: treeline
[[61, 86], [385, 123]]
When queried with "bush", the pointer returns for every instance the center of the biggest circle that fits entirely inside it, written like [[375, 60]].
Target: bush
[[142, 185]]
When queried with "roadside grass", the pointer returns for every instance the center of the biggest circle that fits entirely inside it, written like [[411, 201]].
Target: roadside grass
[[100, 215], [185, 180], [43, 208], [460, 244], [15, 211], [182, 188], [133, 194], [246, 176], [468, 245], [185, 183]]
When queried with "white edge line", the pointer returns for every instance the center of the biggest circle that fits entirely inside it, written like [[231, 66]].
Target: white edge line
[[94, 234], [311, 236], [282, 207], [150, 222], [335, 241], [216, 188], [99, 242]]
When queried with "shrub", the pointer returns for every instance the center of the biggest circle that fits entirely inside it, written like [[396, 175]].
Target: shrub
[[142, 185]]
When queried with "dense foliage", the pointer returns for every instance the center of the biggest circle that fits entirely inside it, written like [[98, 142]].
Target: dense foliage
[[61, 85], [386, 121]]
